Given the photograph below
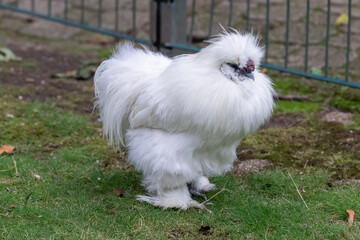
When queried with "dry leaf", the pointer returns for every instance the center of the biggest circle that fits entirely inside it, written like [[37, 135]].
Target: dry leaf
[[70, 74], [7, 149], [316, 71], [7, 55], [119, 192], [12, 206], [351, 216], [343, 19]]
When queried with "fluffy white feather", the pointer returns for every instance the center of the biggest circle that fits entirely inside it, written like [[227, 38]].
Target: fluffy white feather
[[181, 119]]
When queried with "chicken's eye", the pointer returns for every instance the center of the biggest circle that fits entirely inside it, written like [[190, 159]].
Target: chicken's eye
[[235, 67]]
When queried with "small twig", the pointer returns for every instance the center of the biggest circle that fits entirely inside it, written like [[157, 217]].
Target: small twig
[[297, 189], [207, 200], [27, 198], [6, 170], [291, 98], [267, 229], [4, 229], [16, 170], [306, 163], [58, 175], [286, 200], [315, 231]]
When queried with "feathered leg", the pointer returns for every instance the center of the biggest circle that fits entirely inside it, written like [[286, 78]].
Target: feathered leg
[[173, 198], [200, 186], [167, 168]]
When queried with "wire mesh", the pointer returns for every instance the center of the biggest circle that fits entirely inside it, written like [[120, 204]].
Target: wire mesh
[[292, 48]]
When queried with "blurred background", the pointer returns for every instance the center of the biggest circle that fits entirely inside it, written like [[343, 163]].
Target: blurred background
[[318, 38]]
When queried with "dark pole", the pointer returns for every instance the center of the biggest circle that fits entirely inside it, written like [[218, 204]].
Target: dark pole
[[158, 25]]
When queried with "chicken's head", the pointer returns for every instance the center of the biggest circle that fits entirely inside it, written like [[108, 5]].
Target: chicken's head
[[235, 55]]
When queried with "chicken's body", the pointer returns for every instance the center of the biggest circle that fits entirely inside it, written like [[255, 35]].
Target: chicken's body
[[182, 119]]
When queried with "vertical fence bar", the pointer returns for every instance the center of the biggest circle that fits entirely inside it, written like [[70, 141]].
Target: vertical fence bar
[[287, 32], [267, 29], [247, 14], [230, 13], [348, 43], [327, 39], [82, 11], [307, 36], [66, 9], [134, 18], [117, 15], [211, 16], [99, 13], [158, 25], [33, 5], [189, 40], [49, 7]]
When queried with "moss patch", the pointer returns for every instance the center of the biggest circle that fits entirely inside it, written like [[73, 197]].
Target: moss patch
[[296, 107], [345, 104]]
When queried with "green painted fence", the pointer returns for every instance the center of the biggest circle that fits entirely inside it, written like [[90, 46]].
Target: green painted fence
[[343, 78]]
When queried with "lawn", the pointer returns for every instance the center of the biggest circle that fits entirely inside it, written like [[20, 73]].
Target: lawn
[[61, 181]]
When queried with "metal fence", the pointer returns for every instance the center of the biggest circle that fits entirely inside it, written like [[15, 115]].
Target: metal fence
[[292, 40]]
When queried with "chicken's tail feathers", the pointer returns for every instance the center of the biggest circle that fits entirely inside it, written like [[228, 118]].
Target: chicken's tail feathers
[[119, 81], [105, 102]]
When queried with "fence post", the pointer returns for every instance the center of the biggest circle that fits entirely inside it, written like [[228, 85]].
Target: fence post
[[172, 27]]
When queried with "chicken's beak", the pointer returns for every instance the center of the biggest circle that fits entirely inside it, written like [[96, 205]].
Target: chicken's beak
[[250, 75]]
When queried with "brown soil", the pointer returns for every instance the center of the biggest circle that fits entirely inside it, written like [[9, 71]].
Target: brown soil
[[46, 63], [284, 121]]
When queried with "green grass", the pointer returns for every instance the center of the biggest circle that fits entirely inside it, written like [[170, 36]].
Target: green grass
[[74, 197]]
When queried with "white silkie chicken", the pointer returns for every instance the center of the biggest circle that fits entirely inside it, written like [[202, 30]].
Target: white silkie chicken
[[181, 119]]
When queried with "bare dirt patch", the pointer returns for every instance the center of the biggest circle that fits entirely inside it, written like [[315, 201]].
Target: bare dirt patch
[[251, 166], [346, 182], [284, 121], [44, 63], [340, 117], [36, 69]]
